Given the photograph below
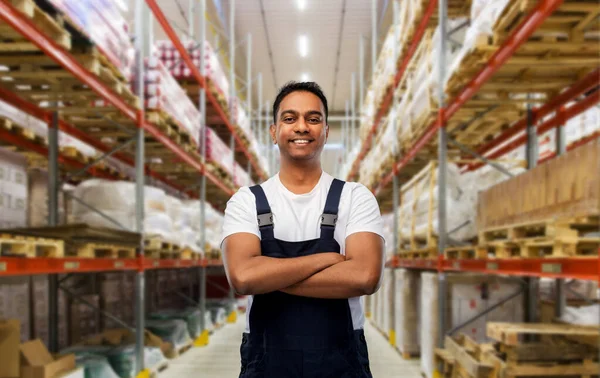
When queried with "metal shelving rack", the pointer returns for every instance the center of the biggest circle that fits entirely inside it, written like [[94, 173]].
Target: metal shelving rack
[[531, 268], [54, 267]]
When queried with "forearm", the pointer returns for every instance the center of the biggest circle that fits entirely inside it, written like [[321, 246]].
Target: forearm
[[347, 279], [263, 274]]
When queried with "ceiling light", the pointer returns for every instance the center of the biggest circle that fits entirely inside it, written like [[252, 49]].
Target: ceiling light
[[304, 77], [303, 45], [301, 4]]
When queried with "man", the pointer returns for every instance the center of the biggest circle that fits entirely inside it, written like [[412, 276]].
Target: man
[[306, 248]]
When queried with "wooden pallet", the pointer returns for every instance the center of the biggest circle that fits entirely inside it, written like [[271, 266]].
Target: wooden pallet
[[48, 23], [183, 349], [543, 350], [29, 246], [100, 250], [185, 254], [511, 334], [567, 230], [466, 252], [158, 243], [425, 253]]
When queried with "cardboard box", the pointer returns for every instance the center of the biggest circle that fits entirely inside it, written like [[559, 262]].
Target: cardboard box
[[10, 334], [77, 373], [36, 361]]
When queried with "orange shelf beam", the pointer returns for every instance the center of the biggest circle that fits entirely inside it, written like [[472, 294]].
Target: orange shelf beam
[[575, 268]]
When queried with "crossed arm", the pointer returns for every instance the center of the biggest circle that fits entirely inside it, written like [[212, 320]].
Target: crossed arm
[[323, 275]]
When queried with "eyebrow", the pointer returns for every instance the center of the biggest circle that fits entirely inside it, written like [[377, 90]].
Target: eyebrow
[[308, 113]]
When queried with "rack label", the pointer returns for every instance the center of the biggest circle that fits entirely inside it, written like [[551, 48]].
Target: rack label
[[3, 267], [456, 265], [156, 264], [71, 265], [491, 266], [551, 268], [119, 264], [177, 263]]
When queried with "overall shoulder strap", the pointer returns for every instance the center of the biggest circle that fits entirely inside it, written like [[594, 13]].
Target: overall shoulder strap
[[330, 213], [263, 213]]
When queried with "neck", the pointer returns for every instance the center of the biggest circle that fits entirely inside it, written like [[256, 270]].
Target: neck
[[300, 178]]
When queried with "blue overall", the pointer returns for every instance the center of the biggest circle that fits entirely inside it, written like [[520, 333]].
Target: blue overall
[[293, 336]]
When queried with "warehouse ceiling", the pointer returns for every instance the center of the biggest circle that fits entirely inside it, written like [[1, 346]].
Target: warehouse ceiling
[[332, 29]]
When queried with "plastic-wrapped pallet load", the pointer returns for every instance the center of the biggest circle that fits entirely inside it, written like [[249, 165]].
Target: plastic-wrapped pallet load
[[104, 23], [165, 94], [418, 222], [117, 200], [171, 58], [407, 309], [467, 296], [218, 152], [96, 366], [122, 359], [388, 302], [13, 190], [174, 331], [190, 315]]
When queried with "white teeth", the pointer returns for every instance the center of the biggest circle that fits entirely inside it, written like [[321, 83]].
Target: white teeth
[[301, 141]]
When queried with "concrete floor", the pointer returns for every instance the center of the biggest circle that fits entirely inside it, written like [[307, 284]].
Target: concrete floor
[[220, 359]]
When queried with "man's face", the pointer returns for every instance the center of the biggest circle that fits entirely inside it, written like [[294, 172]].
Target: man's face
[[301, 131]]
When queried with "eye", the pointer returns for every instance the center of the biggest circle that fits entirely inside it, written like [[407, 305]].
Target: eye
[[288, 119]]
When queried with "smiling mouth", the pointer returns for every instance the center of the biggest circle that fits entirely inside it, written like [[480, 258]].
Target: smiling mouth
[[301, 142]]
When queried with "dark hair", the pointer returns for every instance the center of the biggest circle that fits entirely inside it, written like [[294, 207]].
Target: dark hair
[[294, 86]]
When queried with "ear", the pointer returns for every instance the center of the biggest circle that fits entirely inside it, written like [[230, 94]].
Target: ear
[[326, 131], [273, 132]]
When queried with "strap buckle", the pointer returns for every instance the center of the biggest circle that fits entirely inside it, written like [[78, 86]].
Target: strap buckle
[[265, 219], [328, 219]]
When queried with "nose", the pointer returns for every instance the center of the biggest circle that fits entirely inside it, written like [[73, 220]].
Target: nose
[[300, 126]]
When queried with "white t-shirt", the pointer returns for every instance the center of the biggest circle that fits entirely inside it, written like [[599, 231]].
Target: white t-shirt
[[296, 217]]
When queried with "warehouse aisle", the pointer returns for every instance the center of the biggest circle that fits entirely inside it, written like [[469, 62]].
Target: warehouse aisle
[[220, 359]]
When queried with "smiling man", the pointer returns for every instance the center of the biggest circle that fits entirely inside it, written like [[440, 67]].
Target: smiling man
[[305, 247]]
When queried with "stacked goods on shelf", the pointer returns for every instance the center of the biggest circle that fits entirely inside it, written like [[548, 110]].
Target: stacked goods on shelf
[[522, 350], [407, 305], [103, 22], [213, 228], [219, 155], [167, 102], [552, 209], [387, 299], [415, 110], [418, 223], [183, 232], [26, 300], [112, 353], [117, 200], [36, 130], [241, 176], [468, 295], [13, 190], [191, 316], [171, 58], [173, 331], [116, 289]]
